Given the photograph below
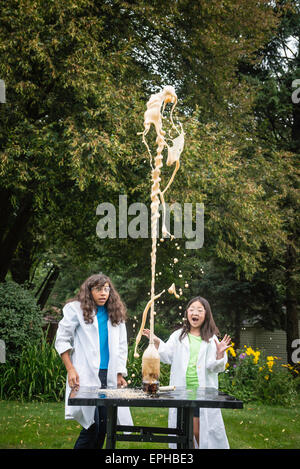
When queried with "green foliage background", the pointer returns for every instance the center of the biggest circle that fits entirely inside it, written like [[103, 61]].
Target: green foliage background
[[78, 74], [21, 320]]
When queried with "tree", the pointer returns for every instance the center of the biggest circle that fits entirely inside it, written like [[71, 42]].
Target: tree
[[78, 75], [235, 300], [278, 124], [242, 219], [59, 133]]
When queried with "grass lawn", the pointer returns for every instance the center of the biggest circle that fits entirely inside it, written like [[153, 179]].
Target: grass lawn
[[42, 425]]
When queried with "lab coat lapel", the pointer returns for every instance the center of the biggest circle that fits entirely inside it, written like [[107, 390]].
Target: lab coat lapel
[[110, 333], [95, 343], [113, 358], [185, 354], [95, 323], [95, 333], [185, 344], [202, 351]]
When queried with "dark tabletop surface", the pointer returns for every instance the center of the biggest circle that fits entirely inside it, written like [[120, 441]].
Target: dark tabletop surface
[[133, 397]]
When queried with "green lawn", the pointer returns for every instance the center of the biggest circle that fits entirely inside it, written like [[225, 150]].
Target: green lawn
[[42, 425]]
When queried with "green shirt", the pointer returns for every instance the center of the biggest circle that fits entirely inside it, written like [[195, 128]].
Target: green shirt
[[191, 372]]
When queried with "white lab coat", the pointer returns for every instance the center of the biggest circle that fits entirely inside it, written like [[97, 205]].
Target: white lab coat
[[176, 354], [83, 339]]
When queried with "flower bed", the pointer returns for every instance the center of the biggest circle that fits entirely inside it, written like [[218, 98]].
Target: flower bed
[[251, 376]]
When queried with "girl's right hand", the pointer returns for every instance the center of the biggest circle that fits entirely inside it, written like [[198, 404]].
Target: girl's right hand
[[73, 378], [146, 333]]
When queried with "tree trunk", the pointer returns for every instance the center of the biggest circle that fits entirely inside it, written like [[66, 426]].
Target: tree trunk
[[14, 235], [22, 259], [6, 211]]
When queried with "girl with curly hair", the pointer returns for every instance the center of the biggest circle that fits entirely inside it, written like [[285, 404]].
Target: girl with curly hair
[[92, 342]]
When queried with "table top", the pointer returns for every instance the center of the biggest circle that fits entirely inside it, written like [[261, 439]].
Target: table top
[[133, 397]]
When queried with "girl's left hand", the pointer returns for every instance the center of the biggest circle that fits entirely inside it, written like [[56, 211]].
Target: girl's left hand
[[223, 346], [121, 382]]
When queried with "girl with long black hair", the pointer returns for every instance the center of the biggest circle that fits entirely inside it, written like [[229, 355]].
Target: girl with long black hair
[[196, 357]]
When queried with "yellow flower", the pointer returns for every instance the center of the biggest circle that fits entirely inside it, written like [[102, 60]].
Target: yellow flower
[[256, 357], [270, 362], [270, 365], [232, 351], [290, 367], [267, 377], [260, 368], [249, 351]]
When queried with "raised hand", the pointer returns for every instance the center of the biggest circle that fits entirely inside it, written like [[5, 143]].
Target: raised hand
[[222, 346]]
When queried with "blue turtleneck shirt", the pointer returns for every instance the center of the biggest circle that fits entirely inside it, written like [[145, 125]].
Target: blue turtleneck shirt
[[102, 317]]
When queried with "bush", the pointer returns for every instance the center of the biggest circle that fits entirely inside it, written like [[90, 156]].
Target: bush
[[252, 377], [40, 373], [20, 319]]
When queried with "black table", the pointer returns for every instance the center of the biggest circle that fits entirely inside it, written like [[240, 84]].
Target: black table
[[185, 400]]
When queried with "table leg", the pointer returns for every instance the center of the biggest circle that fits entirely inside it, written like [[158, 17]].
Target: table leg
[[180, 424], [112, 412]]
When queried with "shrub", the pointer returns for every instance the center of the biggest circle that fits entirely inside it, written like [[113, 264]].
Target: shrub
[[40, 375], [20, 319], [276, 387]]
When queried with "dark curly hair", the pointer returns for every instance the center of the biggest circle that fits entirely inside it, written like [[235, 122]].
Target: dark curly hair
[[116, 309], [208, 328]]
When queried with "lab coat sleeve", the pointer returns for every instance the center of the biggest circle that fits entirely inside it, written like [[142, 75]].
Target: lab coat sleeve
[[212, 364], [166, 349], [123, 350], [66, 329]]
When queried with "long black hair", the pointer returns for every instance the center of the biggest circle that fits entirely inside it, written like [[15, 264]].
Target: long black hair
[[208, 328]]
